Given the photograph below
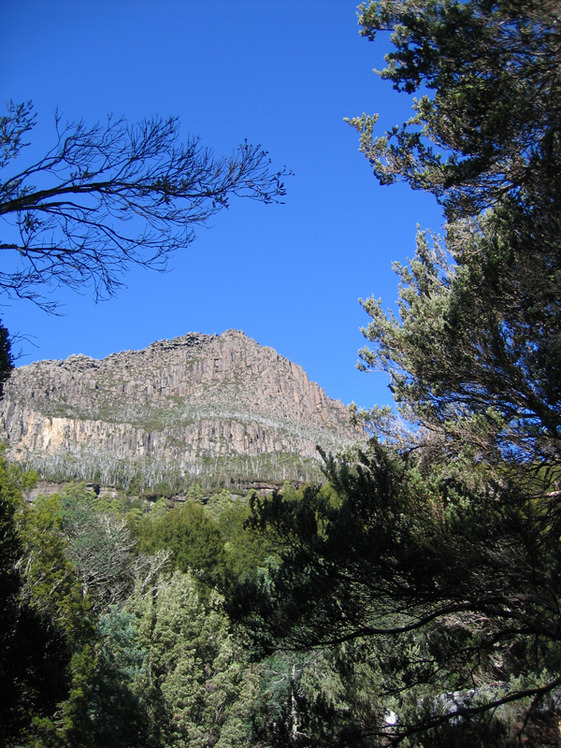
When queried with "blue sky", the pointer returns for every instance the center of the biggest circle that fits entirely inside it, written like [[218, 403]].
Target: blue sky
[[283, 75]]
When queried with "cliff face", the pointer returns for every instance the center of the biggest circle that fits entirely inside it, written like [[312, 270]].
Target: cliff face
[[184, 408]]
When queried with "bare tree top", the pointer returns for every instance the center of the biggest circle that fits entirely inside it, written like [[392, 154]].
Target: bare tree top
[[112, 195]]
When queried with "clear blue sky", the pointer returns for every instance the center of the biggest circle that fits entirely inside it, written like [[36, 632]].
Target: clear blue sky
[[283, 75]]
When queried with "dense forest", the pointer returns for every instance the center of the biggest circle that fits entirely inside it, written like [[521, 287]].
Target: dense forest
[[413, 597]]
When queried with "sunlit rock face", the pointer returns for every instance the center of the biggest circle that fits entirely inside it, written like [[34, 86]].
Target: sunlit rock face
[[193, 407]]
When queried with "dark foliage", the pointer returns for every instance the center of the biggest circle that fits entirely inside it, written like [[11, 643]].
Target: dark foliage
[[34, 655]]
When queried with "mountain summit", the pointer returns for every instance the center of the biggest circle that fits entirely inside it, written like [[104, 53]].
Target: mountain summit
[[207, 408]]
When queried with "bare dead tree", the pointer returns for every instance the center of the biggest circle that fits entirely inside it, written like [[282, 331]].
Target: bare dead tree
[[109, 196]]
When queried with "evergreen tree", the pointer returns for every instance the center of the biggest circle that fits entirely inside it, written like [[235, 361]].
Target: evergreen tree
[[191, 536], [475, 351], [197, 682]]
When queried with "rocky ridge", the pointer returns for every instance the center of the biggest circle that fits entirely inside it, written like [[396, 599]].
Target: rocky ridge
[[188, 408]]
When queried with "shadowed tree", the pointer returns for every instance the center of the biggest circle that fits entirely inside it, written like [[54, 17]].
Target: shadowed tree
[[34, 654], [6, 357]]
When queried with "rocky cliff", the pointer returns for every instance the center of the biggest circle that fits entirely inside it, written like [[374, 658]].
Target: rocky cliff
[[199, 407]]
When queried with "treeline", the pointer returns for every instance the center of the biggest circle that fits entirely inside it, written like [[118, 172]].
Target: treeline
[[143, 474]]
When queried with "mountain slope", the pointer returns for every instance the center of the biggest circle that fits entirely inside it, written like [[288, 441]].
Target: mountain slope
[[199, 407]]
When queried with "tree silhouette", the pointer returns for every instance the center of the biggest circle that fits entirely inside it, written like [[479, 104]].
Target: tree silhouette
[[112, 195]]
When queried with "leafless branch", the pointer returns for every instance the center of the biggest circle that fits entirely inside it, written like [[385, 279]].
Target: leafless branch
[[113, 195]]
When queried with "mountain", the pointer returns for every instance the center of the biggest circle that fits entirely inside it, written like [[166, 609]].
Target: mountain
[[199, 408]]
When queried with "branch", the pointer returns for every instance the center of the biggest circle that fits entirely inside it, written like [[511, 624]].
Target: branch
[[101, 178]]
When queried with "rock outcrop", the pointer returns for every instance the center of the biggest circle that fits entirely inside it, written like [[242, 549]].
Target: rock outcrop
[[199, 407]]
